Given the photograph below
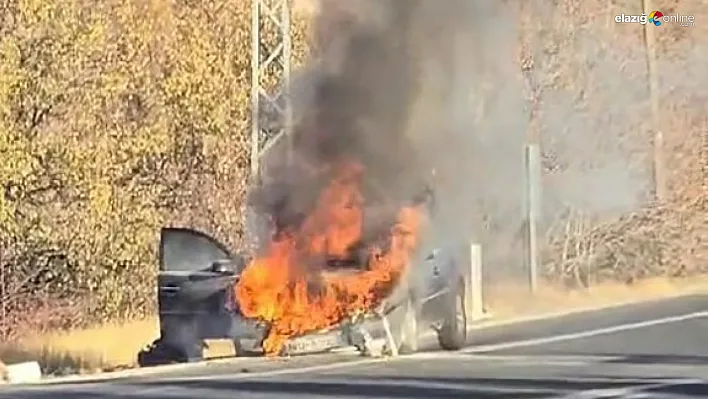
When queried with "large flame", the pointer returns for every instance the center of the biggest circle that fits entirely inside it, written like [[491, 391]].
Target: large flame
[[289, 287]]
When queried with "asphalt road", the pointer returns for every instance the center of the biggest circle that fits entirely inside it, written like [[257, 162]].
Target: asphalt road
[[651, 350]]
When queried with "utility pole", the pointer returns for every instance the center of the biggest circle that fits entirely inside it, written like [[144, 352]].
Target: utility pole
[[271, 49], [650, 44], [532, 149]]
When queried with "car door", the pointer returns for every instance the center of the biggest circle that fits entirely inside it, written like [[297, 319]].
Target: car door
[[195, 281]]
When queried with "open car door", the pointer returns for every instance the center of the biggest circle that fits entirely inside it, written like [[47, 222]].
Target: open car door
[[194, 268], [195, 291]]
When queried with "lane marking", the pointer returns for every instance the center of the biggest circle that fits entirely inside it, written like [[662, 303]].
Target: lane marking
[[347, 388], [584, 334], [517, 360], [226, 377], [460, 356], [582, 310], [637, 391], [292, 370], [366, 361]]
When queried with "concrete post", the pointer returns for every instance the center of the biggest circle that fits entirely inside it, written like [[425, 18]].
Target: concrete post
[[474, 296], [533, 207]]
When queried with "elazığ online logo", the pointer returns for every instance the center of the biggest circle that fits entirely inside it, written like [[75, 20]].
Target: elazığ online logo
[[657, 18]]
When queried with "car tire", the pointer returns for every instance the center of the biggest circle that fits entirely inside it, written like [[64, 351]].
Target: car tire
[[453, 333]]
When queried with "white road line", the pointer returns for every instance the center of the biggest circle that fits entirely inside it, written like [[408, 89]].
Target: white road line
[[367, 361], [462, 356], [227, 377], [584, 334], [552, 360], [582, 310], [292, 370], [348, 387], [629, 392]]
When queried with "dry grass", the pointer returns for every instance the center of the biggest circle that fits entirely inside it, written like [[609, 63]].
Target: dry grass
[[668, 240], [87, 350]]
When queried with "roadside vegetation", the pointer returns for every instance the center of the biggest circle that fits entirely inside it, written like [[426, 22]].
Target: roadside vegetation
[[115, 119], [119, 117], [668, 236]]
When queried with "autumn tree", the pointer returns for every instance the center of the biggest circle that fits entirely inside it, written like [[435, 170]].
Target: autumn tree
[[116, 118]]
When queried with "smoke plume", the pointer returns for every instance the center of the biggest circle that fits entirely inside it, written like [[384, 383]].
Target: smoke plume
[[391, 87]]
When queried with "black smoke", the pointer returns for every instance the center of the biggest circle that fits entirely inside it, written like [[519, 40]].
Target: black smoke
[[390, 88], [361, 102]]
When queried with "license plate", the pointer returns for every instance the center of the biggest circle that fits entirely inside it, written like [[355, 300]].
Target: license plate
[[312, 344]]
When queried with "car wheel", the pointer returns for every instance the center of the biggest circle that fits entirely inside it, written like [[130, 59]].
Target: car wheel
[[453, 333]]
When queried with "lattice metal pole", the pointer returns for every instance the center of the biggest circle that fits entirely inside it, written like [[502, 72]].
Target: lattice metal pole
[[270, 78], [271, 111]]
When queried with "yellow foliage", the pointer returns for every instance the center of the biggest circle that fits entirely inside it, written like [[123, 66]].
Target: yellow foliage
[[116, 118]]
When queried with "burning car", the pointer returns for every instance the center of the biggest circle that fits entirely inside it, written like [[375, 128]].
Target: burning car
[[196, 303], [347, 272]]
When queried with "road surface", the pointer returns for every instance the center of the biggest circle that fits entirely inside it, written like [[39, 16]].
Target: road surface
[[650, 350]]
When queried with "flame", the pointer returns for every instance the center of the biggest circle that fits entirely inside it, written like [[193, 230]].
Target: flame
[[289, 288]]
